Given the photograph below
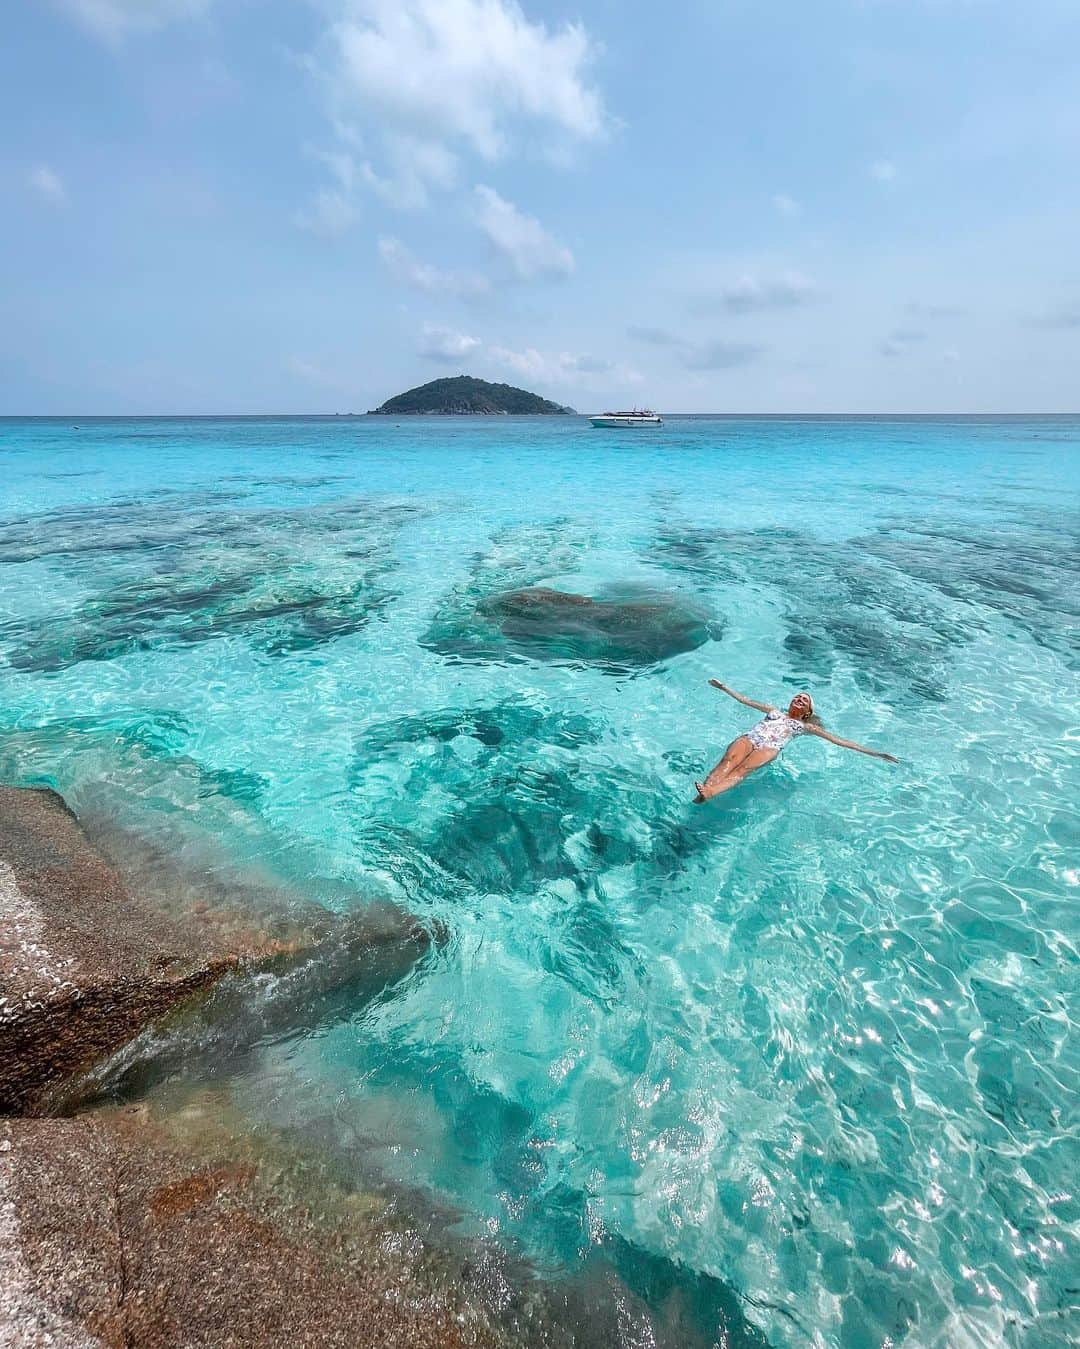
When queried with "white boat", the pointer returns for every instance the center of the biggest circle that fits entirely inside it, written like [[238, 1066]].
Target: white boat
[[638, 417]]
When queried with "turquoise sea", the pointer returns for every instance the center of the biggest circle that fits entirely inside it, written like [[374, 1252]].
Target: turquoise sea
[[797, 1068]]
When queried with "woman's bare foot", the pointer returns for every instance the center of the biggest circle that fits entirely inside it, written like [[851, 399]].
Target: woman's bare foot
[[713, 787]]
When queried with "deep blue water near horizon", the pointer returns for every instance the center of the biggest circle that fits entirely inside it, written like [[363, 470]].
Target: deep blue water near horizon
[[804, 1059]]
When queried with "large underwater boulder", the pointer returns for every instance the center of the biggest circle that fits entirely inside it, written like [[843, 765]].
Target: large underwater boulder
[[625, 629]]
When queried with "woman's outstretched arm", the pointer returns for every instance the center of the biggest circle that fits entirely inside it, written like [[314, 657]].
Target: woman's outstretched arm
[[761, 707], [850, 744]]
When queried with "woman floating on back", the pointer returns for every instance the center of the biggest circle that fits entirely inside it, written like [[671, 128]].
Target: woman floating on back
[[763, 742]]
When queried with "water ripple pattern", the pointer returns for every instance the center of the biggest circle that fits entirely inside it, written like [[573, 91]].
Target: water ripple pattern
[[799, 1067]]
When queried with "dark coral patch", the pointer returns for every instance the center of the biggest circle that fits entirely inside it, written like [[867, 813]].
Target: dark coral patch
[[533, 800], [280, 581], [1025, 571], [893, 605], [513, 721], [839, 605]]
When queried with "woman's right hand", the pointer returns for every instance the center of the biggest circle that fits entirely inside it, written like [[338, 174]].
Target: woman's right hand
[[717, 685]]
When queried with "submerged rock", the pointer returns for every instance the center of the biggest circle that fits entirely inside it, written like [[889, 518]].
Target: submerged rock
[[280, 581], [625, 630], [516, 797], [892, 606], [133, 1228], [350, 962], [838, 605], [499, 726]]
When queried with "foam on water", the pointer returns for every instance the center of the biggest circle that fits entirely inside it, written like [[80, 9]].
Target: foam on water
[[802, 1063]]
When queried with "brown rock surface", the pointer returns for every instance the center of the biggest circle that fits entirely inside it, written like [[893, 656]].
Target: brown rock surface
[[83, 966], [114, 1232], [109, 1235]]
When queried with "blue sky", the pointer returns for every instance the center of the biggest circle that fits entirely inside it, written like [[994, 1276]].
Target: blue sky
[[254, 205]]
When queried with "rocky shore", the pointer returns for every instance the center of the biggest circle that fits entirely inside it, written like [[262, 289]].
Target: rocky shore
[[142, 1208], [116, 1231]]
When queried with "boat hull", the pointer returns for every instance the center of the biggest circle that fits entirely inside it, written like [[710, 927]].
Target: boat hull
[[604, 422]]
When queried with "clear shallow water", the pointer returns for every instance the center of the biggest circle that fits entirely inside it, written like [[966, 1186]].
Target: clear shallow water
[[804, 1059]]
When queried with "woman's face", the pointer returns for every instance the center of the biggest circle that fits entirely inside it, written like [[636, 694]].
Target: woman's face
[[801, 707]]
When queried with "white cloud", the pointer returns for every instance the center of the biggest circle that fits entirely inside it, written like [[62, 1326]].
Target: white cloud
[[533, 364], [445, 345], [414, 167], [786, 205], [562, 368], [333, 209], [463, 69], [113, 20], [883, 170], [520, 239], [408, 268], [553, 369], [426, 80], [750, 294], [330, 214], [48, 184]]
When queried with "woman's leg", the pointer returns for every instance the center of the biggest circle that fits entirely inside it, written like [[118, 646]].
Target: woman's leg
[[735, 753], [739, 767]]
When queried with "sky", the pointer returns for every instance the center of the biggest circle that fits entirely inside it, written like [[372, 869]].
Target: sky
[[259, 206]]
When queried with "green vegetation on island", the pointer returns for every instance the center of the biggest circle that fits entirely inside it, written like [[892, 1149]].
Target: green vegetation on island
[[464, 396]]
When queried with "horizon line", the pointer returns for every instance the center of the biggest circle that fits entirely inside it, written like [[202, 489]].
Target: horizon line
[[479, 416]]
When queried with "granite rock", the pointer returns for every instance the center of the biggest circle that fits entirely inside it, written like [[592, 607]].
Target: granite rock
[[83, 965], [110, 1236]]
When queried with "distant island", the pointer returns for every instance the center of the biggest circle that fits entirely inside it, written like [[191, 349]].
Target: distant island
[[463, 396]]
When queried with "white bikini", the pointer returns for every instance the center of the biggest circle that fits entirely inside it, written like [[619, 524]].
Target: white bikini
[[775, 730]]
